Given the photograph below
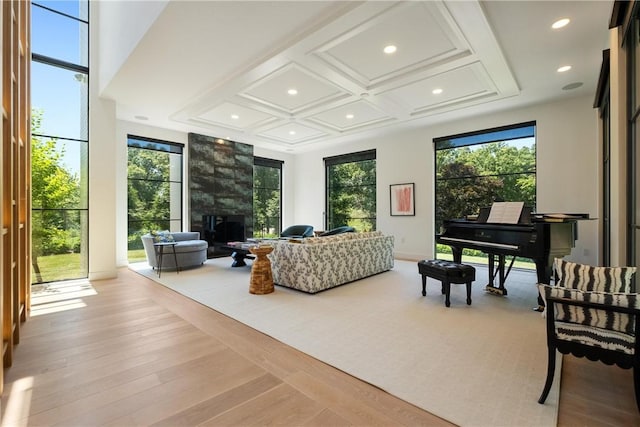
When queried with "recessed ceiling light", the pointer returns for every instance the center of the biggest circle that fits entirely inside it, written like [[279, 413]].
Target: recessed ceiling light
[[235, 116], [564, 68], [560, 23], [390, 49], [436, 91], [292, 91], [572, 86], [349, 116], [292, 132]]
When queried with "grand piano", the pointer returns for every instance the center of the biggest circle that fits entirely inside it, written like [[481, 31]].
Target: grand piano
[[540, 237]]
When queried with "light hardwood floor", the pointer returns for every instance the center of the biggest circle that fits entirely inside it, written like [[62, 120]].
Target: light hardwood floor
[[137, 353]]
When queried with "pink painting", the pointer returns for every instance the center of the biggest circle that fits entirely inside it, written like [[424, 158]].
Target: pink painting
[[402, 199]]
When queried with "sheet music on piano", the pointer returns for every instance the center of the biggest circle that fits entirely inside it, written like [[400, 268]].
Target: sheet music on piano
[[505, 212]]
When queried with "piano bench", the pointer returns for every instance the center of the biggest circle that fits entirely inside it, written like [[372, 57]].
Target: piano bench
[[447, 272]]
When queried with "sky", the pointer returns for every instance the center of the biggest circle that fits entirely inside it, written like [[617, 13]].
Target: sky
[[56, 91]]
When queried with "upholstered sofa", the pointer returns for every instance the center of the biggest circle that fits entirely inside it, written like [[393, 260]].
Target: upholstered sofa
[[318, 263], [190, 250]]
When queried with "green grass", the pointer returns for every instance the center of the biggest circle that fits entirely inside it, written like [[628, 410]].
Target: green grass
[[136, 255], [58, 267], [519, 263], [54, 268]]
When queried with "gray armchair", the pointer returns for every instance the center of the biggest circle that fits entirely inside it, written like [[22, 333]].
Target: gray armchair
[[189, 249]]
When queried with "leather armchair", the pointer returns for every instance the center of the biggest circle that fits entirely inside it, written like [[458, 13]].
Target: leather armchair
[[298, 231]]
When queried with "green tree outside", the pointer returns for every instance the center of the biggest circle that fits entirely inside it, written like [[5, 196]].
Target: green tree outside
[[266, 201], [470, 178], [352, 195], [55, 193], [148, 193]]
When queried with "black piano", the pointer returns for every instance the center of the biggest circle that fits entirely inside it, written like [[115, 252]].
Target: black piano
[[540, 237]]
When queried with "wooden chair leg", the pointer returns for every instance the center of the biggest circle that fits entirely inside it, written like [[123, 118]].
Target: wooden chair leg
[[551, 368], [636, 384]]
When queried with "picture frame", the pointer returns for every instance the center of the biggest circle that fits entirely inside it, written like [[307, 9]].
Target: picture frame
[[402, 198]]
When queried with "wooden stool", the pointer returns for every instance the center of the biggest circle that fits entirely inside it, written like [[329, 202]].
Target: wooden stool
[[447, 272], [261, 277]]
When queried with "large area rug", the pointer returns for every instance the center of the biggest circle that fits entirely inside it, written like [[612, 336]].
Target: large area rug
[[477, 365]]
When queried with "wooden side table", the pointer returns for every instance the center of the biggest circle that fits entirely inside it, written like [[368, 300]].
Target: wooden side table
[[159, 247], [261, 277]]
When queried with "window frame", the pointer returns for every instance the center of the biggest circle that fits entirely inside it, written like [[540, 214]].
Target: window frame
[[275, 164], [506, 133], [165, 147], [83, 75], [331, 161]]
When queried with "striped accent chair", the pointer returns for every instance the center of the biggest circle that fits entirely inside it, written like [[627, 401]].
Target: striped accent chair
[[592, 312]]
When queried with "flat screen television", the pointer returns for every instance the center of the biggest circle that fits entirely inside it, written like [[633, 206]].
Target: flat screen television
[[218, 230]]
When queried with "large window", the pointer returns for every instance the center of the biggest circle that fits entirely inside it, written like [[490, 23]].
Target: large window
[[474, 170], [603, 102], [267, 197], [154, 190], [351, 191], [59, 144], [633, 129]]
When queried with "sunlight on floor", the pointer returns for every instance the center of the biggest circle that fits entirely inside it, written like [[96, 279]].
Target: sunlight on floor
[[59, 296], [18, 403]]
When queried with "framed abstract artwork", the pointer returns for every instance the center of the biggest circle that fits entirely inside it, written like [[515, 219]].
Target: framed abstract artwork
[[402, 199]]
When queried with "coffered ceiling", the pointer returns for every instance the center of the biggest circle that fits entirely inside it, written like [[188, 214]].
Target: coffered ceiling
[[294, 76]]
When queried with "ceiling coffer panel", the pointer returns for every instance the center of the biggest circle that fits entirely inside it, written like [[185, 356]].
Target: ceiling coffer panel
[[461, 86], [351, 116], [234, 116], [292, 89], [292, 133], [423, 32]]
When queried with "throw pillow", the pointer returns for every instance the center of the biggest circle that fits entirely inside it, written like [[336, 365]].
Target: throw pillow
[[589, 278], [163, 236]]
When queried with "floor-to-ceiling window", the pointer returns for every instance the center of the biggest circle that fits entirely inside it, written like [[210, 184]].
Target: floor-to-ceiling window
[[602, 102], [267, 197], [633, 97], [59, 144], [351, 191], [154, 190], [475, 169]]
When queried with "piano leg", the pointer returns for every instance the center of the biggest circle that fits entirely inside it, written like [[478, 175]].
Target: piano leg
[[493, 272], [457, 254]]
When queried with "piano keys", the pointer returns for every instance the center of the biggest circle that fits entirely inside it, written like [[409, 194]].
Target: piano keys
[[539, 237]]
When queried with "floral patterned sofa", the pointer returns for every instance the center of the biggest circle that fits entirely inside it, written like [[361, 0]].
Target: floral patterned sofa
[[318, 263]]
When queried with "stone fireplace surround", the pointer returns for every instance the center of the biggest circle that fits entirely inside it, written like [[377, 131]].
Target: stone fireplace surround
[[220, 182]]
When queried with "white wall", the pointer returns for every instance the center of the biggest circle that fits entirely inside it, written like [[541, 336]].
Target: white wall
[[102, 253], [122, 25], [567, 173]]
